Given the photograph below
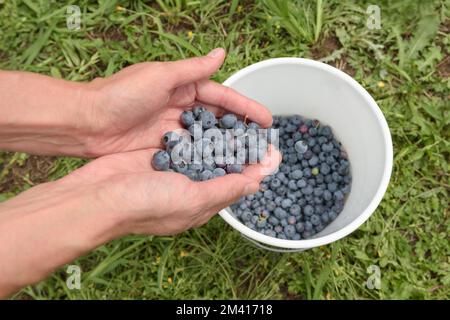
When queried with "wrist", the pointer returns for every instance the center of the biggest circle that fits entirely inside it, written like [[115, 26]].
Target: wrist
[[44, 115]]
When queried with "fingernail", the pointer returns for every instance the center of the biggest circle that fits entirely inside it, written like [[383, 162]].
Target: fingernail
[[251, 188], [214, 53]]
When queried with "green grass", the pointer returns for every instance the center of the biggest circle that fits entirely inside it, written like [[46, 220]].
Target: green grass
[[407, 236]]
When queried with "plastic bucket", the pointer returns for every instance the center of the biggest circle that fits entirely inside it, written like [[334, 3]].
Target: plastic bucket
[[319, 91]]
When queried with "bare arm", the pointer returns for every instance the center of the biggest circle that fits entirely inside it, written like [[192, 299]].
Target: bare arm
[[42, 115]]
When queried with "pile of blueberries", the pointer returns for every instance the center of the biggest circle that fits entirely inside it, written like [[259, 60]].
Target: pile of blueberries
[[211, 147], [298, 201], [308, 191]]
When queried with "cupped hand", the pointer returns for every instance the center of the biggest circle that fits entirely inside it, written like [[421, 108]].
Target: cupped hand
[[132, 109], [146, 201]]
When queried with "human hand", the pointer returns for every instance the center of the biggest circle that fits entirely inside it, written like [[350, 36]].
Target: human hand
[[53, 223], [145, 201], [132, 109]]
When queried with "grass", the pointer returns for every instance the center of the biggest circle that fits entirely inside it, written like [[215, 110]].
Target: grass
[[405, 66]]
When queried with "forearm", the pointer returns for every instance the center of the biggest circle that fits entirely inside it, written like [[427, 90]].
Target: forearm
[[47, 227], [43, 115]]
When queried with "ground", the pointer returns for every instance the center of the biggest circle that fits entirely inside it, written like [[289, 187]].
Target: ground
[[404, 65]]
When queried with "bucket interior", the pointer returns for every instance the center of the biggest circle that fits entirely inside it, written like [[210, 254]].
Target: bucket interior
[[292, 88]]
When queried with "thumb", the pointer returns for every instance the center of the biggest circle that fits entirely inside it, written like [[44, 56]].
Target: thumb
[[222, 191], [190, 70]]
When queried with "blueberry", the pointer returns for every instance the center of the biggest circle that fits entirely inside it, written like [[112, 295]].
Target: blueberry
[[228, 121], [300, 226], [326, 131], [278, 200], [253, 126], [208, 164], [308, 226], [308, 190], [250, 225], [271, 205], [197, 111], [196, 131], [291, 220], [208, 119], [324, 168], [281, 236], [268, 194], [161, 161], [246, 215], [218, 172], [312, 132], [234, 168], [313, 161], [319, 227], [281, 191], [297, 136], [278, 229], [296, 236], [206, 175], [308, 210], [187, 118], [332, 186], [304, 128], [295, 210], [271, 233], [307, 172], [332, 215], [289, 231], [301, 183], [296, 174], [180, 167], [286, 203], [290, 142], [301, 147], [292, 185], [273, 221], [315, 219], [280, 213], [338, 195], [325, 218], [308, 155], [239, 128], [306, 234], [275, 183], [261, 224], [170, 139], [191, 174]]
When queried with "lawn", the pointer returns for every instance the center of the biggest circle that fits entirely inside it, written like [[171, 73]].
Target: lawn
[[405, 66]]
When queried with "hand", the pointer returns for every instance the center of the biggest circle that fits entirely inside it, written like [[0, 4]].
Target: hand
[[132, 109], [146, 201]]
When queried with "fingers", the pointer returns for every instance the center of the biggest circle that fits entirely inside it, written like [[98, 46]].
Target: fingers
[[190, 70], [219, 95], [220, 192], [266, 167], [226, 189]]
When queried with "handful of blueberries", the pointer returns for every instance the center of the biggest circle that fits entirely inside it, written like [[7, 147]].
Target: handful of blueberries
[[211, 147], [298, 201], [308, 191]]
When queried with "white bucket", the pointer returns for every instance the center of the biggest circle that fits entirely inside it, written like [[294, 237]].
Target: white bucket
[[316, 90]]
